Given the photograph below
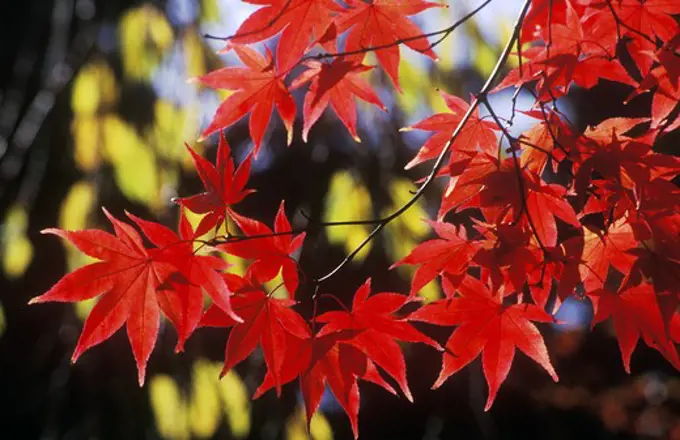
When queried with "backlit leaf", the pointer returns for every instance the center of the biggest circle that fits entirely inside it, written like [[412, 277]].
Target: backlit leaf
[[204, 406], [348, 199], [17, 250], [406, 231], [145, 34], [319, 427], [133, 160], [169, 408], [236, 401], [94, 87]]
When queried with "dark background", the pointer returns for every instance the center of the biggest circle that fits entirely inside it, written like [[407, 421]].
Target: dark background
[[43, 396]]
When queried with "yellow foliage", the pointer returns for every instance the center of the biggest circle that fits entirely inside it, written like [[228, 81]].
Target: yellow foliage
[[73, 216], [93, 88], [506, 32], [204, 407], [348, 200], [446, 48], [319, 428], [406, 231], [236, 400], [437, 103], [193, 55], [208, 400], [168, 407], [145, 35], [413, 81], [17, 250], [83, 308], [133, 161], [485, 57], [86, 138], [77, 206], [210, 10], [277, 283], [171, 125]]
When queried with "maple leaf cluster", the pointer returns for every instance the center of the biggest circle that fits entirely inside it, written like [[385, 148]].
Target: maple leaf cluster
[[608, 233]]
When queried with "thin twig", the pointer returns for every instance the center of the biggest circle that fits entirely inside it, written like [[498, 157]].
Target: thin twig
[[520, 180], [443, 32], [440, 159], [620, 23], [269, 24]]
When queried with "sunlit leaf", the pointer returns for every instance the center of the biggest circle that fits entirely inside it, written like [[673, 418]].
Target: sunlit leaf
[[194, 55], [204, 406], [412, 86], [485, 57], [210, 10], [77, 206], [319, 428], [406, 231], [348, 200], [85, 130], [236, 401], [17, 250], [276, 287], [73, 216], [171, 124], [93, 88], [145, 34], [451, 43], [133, 161], [168, 407]]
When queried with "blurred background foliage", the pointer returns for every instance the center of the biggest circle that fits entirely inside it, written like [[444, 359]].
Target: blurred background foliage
[[94, 110]]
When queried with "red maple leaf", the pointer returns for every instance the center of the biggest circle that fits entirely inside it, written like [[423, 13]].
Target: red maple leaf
[[609, 248], [384, 23], [127, 278], [266, 321], [635, 312], [375, 330], [544, 203], [269, 249], [664, 79], [181, 296], [561, 263], [450, 254], [302, 22], [636, 22], [507, 255], [495, 188], [322, 360], [259, 86], [223, 187], [543, 14], [347, 348], [487, 326], [476, 136], [552, 138], [466, 180], [335, 84], [569, 56]]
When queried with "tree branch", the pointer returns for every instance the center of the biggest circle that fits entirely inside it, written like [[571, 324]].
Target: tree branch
[[440, 159]]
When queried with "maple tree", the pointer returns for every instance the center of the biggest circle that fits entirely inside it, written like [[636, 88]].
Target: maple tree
[[609, 233]]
